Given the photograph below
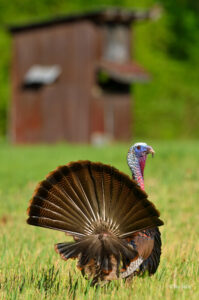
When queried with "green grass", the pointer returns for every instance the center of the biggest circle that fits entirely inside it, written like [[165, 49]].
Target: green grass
[[29, 266]]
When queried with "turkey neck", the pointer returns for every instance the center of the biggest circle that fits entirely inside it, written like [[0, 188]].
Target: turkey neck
[[136, 166]]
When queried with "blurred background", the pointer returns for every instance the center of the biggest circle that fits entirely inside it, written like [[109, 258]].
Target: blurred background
[[165, 49]]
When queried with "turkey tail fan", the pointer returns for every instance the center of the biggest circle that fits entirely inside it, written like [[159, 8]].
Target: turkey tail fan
[[98, 205]]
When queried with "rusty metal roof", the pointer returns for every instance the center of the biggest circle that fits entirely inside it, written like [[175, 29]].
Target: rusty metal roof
[[110, 16], [127, 72]]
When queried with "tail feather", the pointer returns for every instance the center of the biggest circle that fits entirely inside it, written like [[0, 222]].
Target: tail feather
[[51, 193], [99, 205], [63, 181], [138, 210], [145, 223], [57, 207], [100, 250]]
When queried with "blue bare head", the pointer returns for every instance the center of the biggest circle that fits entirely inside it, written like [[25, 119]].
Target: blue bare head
[[141, 150], [136, 159]]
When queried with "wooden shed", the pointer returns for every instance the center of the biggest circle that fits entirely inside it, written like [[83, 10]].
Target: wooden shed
[[71, 78]]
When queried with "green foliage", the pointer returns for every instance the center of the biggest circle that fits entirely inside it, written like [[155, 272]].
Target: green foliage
[[167, 107], [168, 48], [30, 268], [184, 26]]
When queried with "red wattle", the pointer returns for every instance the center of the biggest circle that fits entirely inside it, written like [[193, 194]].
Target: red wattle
[[142, 161]]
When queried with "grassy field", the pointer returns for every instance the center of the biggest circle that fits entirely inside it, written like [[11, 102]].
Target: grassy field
[[29, 266]]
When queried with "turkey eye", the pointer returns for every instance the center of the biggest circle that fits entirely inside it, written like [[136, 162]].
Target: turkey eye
[[138, 147]]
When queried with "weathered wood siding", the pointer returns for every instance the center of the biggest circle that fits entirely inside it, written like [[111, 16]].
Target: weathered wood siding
[[60, 111]]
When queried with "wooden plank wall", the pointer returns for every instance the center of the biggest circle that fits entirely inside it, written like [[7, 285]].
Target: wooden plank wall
[[60, 111]]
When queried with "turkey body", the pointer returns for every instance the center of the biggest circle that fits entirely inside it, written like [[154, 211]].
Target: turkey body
[[148, 244], [152, 262], [113, 223]]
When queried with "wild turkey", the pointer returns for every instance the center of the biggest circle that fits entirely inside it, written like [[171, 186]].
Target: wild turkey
[[113, 224]]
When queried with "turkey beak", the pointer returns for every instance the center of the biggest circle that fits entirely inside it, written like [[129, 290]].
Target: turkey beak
[[150, 150]]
